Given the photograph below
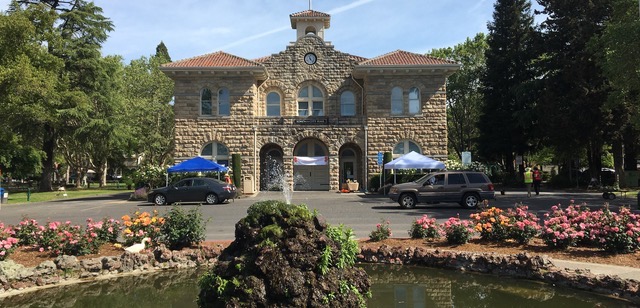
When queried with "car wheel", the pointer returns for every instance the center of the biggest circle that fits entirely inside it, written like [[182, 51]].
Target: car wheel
[[211, 199], [470, 200], [407, 200], [160, 199], [612, 196]]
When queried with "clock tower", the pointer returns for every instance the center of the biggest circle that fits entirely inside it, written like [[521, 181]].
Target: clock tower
[[310, 22]]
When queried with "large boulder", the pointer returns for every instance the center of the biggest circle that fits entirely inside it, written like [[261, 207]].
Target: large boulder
[[286, 256]]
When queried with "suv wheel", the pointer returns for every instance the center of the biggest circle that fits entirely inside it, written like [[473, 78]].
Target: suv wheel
[[470, 200], [407, 200]]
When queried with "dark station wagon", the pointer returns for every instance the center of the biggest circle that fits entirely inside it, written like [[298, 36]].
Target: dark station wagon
[[467, 188], [208, 190]]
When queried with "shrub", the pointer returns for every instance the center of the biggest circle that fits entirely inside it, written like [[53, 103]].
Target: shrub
[[107, 230], [65, 238], [523, 226], [183, 228], [7, 241], [619, 233], [492, 224], [26, 231], [558, 231], [425, 227], [457, 231], [382, 231], [141, 225]]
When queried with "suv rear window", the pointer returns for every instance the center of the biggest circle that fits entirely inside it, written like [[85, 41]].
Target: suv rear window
[[456, 179], [475, 178]]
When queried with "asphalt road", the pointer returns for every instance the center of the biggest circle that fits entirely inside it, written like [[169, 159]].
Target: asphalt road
[[361, 212]]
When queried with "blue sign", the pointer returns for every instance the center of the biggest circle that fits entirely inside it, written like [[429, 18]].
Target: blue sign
[[379, 158]]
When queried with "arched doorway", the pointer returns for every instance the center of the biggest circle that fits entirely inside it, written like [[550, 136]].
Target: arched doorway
[[271, 167], [311, 165], [351, 163]]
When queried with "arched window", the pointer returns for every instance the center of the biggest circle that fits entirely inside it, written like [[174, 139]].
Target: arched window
[[216, 152], [404, 147], [224, 107], [273, 104], [347, 104], [310, 101], [396, 101], [310, 147], [310, 30], [205, 102], [414, 101]]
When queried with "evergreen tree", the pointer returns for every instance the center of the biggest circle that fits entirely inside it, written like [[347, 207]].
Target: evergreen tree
[[575, 89], [508, 117]]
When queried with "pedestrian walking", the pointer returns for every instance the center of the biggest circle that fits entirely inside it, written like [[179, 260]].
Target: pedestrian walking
[[528, 180], [537, 179]]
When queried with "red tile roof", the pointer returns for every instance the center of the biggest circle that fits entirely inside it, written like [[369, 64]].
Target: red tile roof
[[216, 59], [401, 58], [309, 13]]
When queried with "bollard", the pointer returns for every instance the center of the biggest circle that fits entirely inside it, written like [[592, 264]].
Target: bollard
[[28, 194]]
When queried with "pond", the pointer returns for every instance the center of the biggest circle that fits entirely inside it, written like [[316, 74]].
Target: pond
[[392, 286]]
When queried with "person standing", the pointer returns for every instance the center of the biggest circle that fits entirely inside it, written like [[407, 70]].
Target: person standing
[[528, 180], [537, 179]]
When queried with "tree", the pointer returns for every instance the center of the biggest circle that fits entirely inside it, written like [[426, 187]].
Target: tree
[[575, 89], [464, 98], [620, 61], [28, 87], [508, 118], [148, 93], [74, 37]]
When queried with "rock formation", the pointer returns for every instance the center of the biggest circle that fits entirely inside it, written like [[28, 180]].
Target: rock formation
[[285, 256]]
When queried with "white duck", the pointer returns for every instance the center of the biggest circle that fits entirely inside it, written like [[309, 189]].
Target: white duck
[[138, 247]]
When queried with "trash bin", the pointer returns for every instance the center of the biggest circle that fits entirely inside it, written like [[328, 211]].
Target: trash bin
[[247, 184], [4, 196]]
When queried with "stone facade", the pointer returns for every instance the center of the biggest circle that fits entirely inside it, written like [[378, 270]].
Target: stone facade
[[349, 143]]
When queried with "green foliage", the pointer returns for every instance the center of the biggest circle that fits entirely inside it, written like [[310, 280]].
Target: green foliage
[[264, 213], [154, 176], [272, 231], [236, 162], [507, 115], [374, 181], [183, 228], [344, 237], [324, 264], [464, 96], [211, 286], [382, 231]]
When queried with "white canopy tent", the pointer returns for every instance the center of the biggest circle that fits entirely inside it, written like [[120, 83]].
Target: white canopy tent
[[413, 160]]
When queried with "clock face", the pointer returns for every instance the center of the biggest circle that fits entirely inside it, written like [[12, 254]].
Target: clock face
[[310, 58]]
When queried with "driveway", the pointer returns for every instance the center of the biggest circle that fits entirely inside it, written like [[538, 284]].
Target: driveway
[[361, 212]]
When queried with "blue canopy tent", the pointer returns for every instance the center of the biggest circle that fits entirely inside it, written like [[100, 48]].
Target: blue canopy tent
[[196, 164], [413, 160]]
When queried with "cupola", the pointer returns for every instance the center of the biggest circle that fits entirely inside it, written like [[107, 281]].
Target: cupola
[[310, 21]]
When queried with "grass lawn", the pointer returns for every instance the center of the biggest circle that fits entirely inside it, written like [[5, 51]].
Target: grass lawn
[[21, 197]]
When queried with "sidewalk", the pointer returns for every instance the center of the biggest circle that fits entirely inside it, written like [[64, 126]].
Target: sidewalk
[[600, 269]]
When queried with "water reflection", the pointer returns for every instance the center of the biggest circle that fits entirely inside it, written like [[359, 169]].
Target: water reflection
[[392, 286], [408, 286]]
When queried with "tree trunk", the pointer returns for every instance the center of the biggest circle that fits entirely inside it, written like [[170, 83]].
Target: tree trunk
[[48, 147], [618, 162]]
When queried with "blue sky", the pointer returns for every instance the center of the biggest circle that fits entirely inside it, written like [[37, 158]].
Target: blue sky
[[257, 28]]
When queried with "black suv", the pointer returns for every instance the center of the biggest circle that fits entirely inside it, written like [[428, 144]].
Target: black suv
[[468, 188]]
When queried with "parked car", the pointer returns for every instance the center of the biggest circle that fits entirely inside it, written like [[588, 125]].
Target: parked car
[[208, 190], [467, 188]]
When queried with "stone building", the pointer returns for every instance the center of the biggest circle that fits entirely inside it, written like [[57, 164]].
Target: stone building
[[312, 113]]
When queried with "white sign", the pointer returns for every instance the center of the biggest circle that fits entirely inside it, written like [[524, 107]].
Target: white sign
[[466, 158]]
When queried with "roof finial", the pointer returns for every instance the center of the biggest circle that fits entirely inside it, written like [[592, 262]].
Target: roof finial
[[309, 5]]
